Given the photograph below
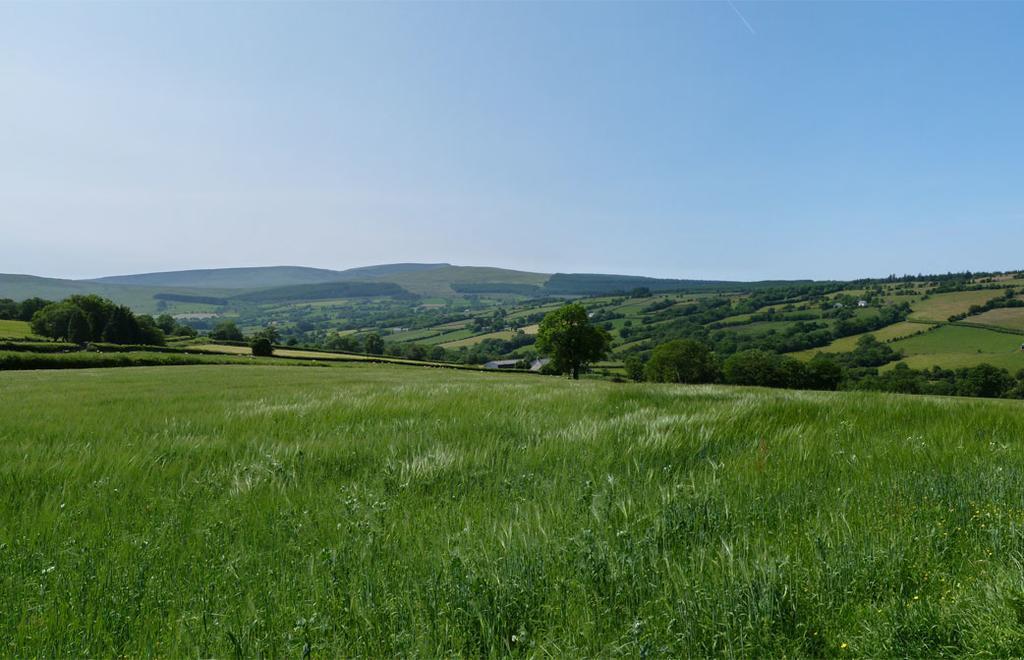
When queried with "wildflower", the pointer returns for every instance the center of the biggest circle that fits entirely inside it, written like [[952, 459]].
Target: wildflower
[[843, 645]]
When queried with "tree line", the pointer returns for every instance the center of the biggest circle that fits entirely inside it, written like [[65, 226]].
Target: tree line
[[692, 361], [89, 318]]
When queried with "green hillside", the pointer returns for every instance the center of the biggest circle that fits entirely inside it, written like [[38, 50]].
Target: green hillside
[[324, 291], [139, 298], [954, 346], [227, 278], [263, 277], [388, 511], [438, 281]]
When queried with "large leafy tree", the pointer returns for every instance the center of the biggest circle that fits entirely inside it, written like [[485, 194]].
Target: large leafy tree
[[78, 327], [682, 361], [374, 344], [121, 327], [570, 340], [226, 330], [52, 320]]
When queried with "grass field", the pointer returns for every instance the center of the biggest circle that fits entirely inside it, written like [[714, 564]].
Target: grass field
[[375, 510], [1006, 317], [959, 339], [847, 344], [15, 330], [941, 306], [953, 346], [476, 339]]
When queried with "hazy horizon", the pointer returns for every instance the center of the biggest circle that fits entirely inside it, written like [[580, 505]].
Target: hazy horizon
[[690, 140]]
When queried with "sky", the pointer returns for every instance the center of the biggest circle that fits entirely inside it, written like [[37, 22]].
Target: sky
[[751, 140]]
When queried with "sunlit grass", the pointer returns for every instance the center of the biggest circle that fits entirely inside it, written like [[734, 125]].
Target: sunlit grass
[[376, 510]]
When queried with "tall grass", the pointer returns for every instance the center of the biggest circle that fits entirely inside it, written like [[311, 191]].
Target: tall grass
[[376, 510]]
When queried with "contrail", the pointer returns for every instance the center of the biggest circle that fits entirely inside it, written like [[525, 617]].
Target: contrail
[[741, 17]]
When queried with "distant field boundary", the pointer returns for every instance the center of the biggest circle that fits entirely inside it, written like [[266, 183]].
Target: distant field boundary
[[366, 358], [993, 328]]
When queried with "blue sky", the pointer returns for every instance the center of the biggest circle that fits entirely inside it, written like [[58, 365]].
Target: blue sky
[[829, 140]]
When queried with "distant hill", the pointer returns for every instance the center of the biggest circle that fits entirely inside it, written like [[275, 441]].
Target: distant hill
[[228, 278], [149, 292], [263, 277], [140, 298], [214, 286], [385, 270]]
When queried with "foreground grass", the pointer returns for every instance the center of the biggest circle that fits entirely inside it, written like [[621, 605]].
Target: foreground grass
[[377, 510]]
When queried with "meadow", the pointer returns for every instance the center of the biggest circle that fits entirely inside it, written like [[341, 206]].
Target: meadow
[[15, 330], [886, 334], [957, 346], [383, 510], [1006, 317], [939, 307]]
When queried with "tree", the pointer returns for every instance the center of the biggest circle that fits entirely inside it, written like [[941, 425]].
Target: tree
[[416, 352], [374, 344], [226, 331], [757, 367], [984, 380], [27, 308], [823, 373], [167, 323], [78, 327], [336, 342], [52, 321], [9, 309], [98, 310], [634, 368], [147, 331], [567, 336], [121, 327], [91, 318], [682, 361], [270, 333], [261, 347]]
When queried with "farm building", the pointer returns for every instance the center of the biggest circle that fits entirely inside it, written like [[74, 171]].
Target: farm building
[[536, 365], [501, 364]]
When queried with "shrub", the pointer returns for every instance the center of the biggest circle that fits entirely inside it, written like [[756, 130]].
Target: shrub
[[261, 347]]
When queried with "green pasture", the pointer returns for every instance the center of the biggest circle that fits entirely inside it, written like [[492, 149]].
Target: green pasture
[[954, 346], [847, 344], [369, 510], [15, 330], [1006, 317], [939, 307]]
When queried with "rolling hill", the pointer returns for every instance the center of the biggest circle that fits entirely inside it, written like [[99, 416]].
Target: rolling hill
[[263, 277], [425, 279]]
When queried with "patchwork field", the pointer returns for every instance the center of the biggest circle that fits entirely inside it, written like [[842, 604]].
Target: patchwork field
[[380, 511], [1007, 317], [939, 307], [953, 346], [888, 333]]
